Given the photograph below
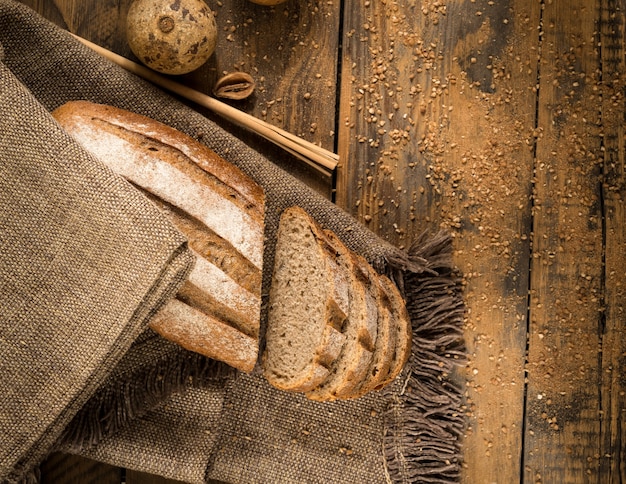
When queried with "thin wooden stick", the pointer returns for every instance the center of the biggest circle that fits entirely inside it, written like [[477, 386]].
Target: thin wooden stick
[[322, 160]]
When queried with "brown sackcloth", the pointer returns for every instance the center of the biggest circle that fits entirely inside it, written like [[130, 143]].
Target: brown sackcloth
[[85, 261]]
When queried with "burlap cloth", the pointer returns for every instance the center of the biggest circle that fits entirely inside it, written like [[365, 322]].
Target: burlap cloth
[[84, 263]]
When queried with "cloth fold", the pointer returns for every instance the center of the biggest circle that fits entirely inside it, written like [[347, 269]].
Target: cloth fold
[[91, 261], [84, 263]]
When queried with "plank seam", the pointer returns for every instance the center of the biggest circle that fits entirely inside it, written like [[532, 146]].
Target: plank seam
[[530, 258]]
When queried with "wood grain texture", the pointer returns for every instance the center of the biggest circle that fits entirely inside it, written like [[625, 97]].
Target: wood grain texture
[[291, 51], [436, 129], [563, 406], [612, 450], [72, 469]]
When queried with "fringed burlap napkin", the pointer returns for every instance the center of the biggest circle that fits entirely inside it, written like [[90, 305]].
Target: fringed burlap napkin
[[84, 263]]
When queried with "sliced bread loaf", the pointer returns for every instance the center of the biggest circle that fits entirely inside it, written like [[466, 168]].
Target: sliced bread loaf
[[384, 351], [308, 305]]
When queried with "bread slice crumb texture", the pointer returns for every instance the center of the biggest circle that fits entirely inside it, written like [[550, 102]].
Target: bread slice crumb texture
[[384, 351], [308, 304], [360, 329]]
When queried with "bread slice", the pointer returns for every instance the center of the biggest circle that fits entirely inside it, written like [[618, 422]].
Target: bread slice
[[218, 208], [395, 339], [308, 305], [401, 323], [384, 351], [360, 329]]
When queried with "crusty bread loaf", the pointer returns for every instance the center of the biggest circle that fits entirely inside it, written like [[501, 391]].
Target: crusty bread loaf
[[360, 328], [308, 306], [219, 208], [223, 283], [175, 168]]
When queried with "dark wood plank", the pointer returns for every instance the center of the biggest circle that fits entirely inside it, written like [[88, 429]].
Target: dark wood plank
[[101, 22], [291, 50], [613, 384], [47, 9], [136, 477], [436, 124], [563, 406], [71, 469]]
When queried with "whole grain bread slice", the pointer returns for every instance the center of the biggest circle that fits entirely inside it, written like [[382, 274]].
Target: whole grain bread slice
[[384, 350], [308, 305], [401, 323], [360, 329]]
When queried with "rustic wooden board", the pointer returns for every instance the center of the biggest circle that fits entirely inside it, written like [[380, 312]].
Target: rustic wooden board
[[71, 469], [563, 407], [612, 391], [502, 121], [291, 50], [436, 129]]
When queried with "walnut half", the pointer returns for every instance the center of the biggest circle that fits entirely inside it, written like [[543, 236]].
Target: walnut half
[[235, 85]]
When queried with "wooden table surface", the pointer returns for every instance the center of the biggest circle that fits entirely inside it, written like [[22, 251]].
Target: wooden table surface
[[500, 120]]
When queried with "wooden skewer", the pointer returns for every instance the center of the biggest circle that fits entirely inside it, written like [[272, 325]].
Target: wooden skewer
[[322, 160]]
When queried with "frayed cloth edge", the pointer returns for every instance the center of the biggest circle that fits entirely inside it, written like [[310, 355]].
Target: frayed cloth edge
[[115, 405], [425, 421]]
